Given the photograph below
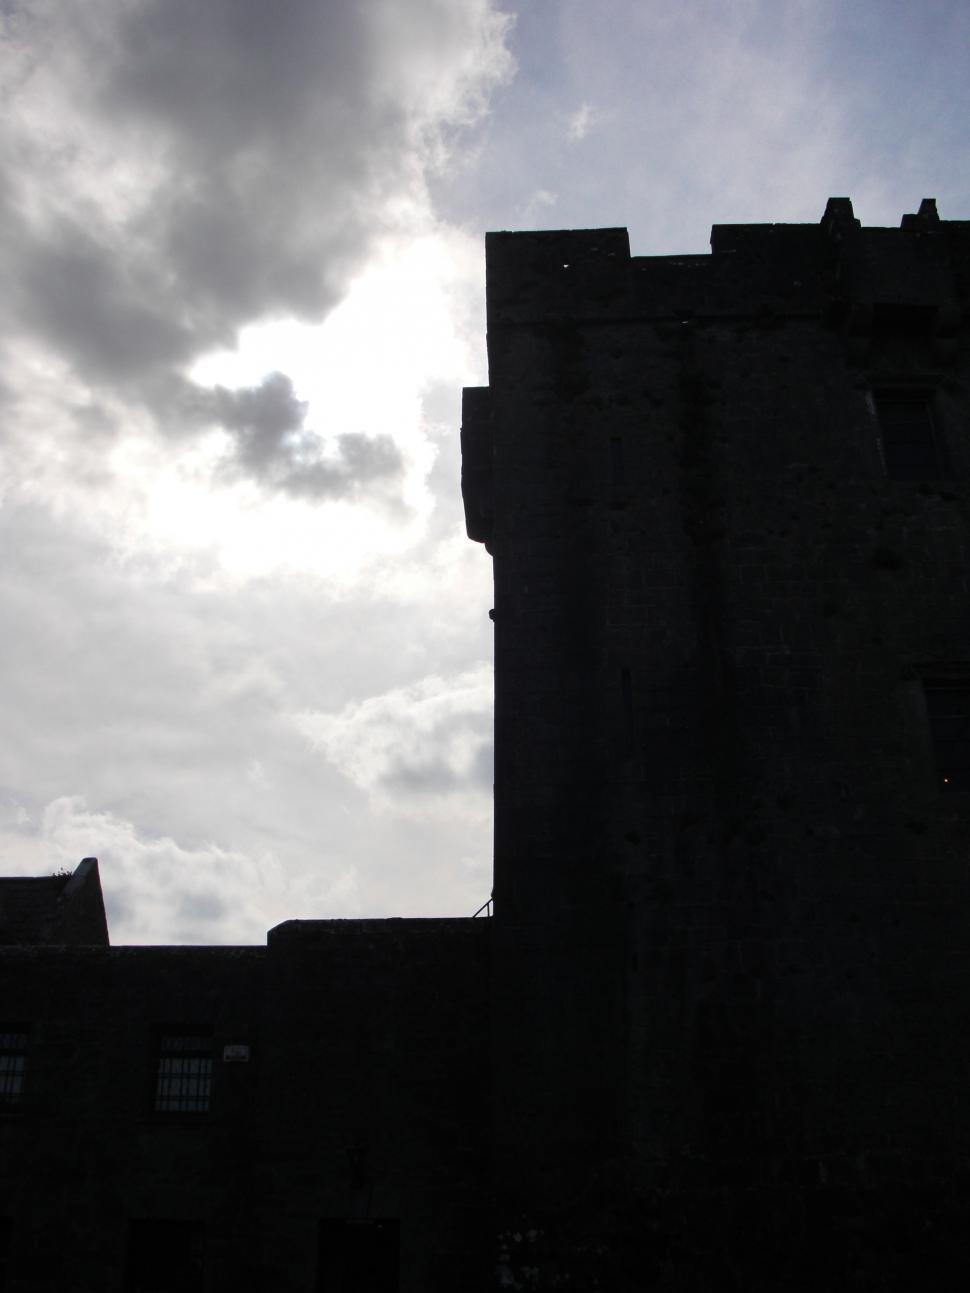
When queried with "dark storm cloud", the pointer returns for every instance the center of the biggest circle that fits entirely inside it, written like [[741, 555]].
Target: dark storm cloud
[[264, 416], [102, 315], [272, 444], [230, 72], [173, 170]]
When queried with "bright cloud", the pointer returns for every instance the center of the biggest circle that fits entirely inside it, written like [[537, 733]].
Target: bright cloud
[[176, 173], [156, 891], [416, 746], [538, 203], [226, 292]]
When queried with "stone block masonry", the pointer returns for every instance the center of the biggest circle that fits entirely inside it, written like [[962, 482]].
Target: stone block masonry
[[726, 499]]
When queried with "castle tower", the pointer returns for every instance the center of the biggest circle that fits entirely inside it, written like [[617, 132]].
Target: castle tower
[[726, 499]]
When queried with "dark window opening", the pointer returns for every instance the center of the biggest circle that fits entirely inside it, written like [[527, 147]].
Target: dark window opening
[[165, 1257], [184, 1079], [617, 469], [948, 709], [626, 686], [358, 1256], [13, 1064], [908, 435]]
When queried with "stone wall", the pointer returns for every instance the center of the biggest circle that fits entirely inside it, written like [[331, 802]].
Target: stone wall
[[731, 889], [363, 1096]]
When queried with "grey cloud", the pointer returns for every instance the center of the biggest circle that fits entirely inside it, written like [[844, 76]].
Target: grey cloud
[[429, 741], [363, 460], [436, 776], [272, 444], [431, 777], [229, 71], [106, 317], [263, 415], [134, 693], [176, 170], [417, 770], [202, 907], [483, 766], [121, 906]]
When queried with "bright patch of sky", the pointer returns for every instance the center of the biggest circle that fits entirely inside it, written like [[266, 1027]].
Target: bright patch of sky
[[365, 370], [246, 649]]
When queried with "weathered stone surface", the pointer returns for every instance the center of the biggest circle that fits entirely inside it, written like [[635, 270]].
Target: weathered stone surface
[[731, 892], [364, 1095]]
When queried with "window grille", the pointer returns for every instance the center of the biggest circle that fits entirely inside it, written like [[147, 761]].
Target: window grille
[[184, 1080], [13, 1065]]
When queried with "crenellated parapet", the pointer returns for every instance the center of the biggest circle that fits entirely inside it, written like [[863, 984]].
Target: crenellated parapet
[[836, 267]]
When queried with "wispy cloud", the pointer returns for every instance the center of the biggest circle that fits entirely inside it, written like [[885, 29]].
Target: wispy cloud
[[539, 202], [580, 123], [156, 890], [414, 747]]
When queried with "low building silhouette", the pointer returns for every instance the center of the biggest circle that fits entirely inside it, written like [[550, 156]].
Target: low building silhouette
[[714, 1035], [311, 1114]]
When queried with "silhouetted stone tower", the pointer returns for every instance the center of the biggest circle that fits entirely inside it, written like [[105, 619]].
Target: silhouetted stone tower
[[727, 498]]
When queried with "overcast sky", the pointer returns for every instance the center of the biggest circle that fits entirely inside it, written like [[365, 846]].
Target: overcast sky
[[246, 654]]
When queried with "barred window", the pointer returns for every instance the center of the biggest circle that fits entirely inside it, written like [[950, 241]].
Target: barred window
[[184, 1080], [13, 1064]]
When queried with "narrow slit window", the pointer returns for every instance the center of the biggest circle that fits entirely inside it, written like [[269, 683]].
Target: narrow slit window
[[183, 1082], [629, 721], [617, 470], [13, 1065], [908, 435], [948, 710]]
